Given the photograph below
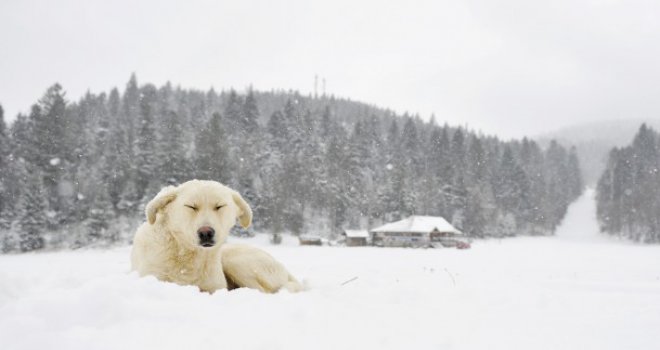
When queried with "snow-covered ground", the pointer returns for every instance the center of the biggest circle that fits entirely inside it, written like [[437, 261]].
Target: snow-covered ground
[[573, 291]]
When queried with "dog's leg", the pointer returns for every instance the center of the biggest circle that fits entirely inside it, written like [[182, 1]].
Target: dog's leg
[[249, 267]]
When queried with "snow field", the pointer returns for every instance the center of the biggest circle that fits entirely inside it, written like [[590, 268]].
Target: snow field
[[519, 293], [540, 293]]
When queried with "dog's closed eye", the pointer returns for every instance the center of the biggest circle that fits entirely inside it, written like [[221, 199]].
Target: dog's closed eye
[[193, 207], [217, 207]]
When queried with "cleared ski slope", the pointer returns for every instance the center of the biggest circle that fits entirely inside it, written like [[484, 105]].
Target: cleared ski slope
[[580, 222]]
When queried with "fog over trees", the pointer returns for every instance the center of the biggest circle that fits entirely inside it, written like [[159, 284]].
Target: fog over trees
[[77, 173]]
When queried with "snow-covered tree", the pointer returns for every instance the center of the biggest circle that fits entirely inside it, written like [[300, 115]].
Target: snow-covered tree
[[211, 160], [33, 221], [4, 164], [146, 143], [98, 225], [249, 121], [172, 164], [628, 194], [130, 116], [48, 145], [116, 167]]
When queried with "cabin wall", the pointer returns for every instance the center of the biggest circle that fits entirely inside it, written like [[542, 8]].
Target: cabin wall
[[401, 239], [356, 241]]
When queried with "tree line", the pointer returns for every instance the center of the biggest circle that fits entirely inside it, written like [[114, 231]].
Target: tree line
[[628, 192], [79, 173]]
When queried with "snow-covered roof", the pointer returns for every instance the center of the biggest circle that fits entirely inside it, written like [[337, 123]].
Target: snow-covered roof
[[421, 224], [357, 233]]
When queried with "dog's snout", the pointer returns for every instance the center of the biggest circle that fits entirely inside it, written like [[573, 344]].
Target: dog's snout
[[206, 235]]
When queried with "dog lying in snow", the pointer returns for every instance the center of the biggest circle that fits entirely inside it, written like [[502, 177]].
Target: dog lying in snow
[[183, 241]]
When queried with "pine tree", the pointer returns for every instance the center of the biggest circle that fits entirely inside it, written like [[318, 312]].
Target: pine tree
[[172, 165], [556, 173], [33, 221], [316, 179], [250, 143], [574, 174], [130, 116], [410, 169], [271, 173], [458, 152], [116, 168], [476, 222], [21, 135], [211, 152], [292, 166], [327, 125], [532, 162], [338, 203], [440, 169], [233, 114], [355, 165], [250, 114], [390, 200], [373, 167], [146, 143], [278, 131], [479, 191], [14, 188], [4, 140], [476, 170], [98, 224], [5, 196], [49, 147], [607, 198], [114, 106], [411, 147], [512, 188]]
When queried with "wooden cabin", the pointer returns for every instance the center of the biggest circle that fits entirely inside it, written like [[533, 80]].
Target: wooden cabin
[[356, 238], [310, 240], [416, 231]]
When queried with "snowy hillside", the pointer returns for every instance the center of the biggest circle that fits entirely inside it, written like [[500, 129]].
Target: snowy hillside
[[79, 168], [573, 291]]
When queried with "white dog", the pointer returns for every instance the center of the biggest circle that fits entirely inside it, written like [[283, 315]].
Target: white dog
[[183, 241]]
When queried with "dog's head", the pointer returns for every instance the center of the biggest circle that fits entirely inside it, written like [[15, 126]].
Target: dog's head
[[199, 214]]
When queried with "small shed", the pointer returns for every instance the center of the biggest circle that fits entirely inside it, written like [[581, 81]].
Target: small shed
[[356, 238], [416, 231], [310, 240]]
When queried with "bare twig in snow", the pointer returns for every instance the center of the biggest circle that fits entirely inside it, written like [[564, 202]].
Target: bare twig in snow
[[349, 281], [452, 276]]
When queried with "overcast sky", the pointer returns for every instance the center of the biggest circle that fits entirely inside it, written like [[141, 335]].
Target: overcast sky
[[513, 67]]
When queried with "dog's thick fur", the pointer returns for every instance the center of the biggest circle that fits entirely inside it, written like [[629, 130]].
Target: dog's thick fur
[[167, 245]]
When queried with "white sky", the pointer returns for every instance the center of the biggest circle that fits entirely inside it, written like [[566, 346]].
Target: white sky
[[511, 67]]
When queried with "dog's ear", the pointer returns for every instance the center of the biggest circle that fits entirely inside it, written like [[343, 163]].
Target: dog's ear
[[245, 214], [165, 196]]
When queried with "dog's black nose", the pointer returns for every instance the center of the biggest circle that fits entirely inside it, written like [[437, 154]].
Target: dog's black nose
[[206, 235]]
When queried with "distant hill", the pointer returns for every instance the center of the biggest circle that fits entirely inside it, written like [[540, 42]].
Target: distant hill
[[594, 140], [344, 110]]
